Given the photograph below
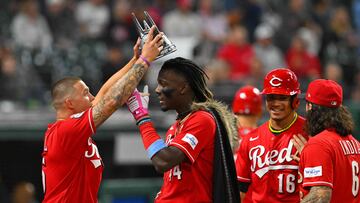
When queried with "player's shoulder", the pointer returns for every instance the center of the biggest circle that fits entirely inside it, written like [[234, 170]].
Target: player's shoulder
[[323, 136], [301, 119], [81, 114], [202, 116]]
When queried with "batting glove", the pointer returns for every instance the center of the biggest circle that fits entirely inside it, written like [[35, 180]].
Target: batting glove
[[138, 104]]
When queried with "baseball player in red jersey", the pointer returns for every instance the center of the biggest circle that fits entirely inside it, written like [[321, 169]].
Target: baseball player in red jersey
[[190, 157], [330, 161], [265, 167], [247, 106], [71, 165]]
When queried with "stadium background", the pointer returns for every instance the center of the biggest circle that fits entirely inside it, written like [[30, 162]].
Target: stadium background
[[42, 41]]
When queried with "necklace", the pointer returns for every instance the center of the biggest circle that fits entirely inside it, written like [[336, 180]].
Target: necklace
[[180, 123], [284, 129]]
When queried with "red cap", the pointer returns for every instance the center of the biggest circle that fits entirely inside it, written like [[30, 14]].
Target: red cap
[[247, 100], [281, 81], [324, 93]]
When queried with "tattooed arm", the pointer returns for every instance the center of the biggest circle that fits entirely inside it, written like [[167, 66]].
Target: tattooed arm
[[318, 194], [119, 74], [119, 92]]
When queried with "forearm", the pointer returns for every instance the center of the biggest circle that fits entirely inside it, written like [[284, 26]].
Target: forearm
[[111, 81], [119, 92], [163, 158], [318, 194]]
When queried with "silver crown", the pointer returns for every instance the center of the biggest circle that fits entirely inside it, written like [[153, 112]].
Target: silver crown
[[169, 47]]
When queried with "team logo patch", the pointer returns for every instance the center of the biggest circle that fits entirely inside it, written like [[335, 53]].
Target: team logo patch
[[275, 81], [191, 140], [311, 172]]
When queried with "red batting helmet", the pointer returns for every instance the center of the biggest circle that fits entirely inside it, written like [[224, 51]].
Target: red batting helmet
[[247, 100], [281, 81]]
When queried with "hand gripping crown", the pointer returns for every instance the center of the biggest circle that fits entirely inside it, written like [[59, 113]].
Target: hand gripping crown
[[169, 47]]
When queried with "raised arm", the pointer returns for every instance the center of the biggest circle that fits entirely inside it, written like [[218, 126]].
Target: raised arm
[[119, 92], [118, 75]]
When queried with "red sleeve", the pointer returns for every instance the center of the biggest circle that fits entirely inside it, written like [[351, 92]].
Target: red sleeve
[[76, 131], [242, 161], [316, 164], [197, 132]]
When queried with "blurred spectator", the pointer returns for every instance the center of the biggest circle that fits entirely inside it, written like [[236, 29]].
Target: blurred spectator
[[341, 43], [213, 22], [9, 84], [29, 28], [305, 65], [62, 22], [18, 83], [251, 17], [237, 52], [270, 56], [115, 59], [256, 72], [121, 31], [24, 192], [213, 31], [320, 12], [333, 71], [356, 14], [218, 72], [92, 16], [312, 35], [182, 22], [293, 16]]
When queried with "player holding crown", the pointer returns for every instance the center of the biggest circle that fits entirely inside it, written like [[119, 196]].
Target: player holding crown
[[266, 170]]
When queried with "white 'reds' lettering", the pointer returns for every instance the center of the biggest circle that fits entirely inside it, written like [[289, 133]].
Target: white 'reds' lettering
[[267, 161], [94, 153]]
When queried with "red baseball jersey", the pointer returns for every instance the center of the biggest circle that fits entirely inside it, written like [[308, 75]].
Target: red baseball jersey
[[192, 180], [242, 132], [334, 161], [264, 160], [71, 166]]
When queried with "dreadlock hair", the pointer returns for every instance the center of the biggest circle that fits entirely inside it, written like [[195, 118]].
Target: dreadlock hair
[[193, 74], [320, 118]]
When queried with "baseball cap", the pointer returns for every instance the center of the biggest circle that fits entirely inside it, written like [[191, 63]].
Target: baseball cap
[[324, 93]]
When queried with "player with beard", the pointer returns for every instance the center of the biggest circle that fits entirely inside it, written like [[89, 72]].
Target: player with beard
[[265, 167], [329, 162], [196, 157]]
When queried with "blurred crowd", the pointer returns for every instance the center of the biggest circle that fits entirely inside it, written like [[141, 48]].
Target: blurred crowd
[[236, 41]]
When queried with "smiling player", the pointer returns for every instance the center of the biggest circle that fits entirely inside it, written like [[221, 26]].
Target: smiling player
[[266, 171]]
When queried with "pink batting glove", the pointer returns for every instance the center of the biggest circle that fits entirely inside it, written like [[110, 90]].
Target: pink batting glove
[[138, 104]]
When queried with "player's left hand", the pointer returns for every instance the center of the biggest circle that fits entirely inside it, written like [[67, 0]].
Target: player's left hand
[[299, 143], [136, 49], [138, 104]]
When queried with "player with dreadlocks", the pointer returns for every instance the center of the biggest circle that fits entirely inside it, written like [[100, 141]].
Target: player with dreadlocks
[[196, 157]]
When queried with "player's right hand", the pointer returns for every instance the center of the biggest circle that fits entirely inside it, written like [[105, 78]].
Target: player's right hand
[[299, 143], [153, 45]]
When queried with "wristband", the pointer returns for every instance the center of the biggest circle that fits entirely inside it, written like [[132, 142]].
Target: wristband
[[151, 140], [145, 60], [143, 120]]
